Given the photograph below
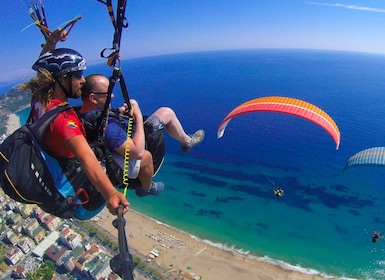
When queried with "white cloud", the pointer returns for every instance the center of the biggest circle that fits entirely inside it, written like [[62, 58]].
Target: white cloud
[[351, 7]]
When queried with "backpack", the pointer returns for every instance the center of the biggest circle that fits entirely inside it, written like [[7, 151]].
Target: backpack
[[29, 174]]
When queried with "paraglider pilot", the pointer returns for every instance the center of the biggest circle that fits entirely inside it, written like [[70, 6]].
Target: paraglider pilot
[[279, 192], [375, 236]]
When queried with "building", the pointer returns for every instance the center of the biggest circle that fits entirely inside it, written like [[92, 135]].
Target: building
[[55, 254], [18, 228], [38, 234], [13, 218], [25, 209], [30, 225], [48, 241], [11, 205], [50, 222], [13, 256], [101, 269], [70, 238], [69, 259], [68, 262], [11, 237], [26, 245], [19, 272], [95, 264], [86, 257]]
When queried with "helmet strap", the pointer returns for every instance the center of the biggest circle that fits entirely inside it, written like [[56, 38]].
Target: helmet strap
[[67, 92]]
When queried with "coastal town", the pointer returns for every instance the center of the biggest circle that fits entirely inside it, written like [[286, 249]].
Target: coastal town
[[34, 243], [29, 236]]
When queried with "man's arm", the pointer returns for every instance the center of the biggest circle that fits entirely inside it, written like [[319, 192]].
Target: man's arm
[[137, 142], [78, 145]]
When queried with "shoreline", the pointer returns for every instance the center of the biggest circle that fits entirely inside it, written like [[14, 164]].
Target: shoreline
[[13, 123], [184, 254]]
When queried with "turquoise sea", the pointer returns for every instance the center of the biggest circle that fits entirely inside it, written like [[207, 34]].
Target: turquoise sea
[[222, 191]]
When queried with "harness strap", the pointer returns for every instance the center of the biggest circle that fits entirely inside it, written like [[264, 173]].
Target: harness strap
[[85, 194], [122, 263], [113, 59]]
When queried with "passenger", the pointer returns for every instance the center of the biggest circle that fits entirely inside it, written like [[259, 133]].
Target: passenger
[[150, 136]]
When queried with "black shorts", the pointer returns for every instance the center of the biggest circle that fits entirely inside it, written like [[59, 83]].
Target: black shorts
[[155, 142]]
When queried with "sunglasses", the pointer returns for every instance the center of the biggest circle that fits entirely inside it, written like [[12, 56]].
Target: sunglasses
[[100, 92], [77, 75]]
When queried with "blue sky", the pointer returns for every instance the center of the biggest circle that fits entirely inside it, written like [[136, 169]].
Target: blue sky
[[173, 26]]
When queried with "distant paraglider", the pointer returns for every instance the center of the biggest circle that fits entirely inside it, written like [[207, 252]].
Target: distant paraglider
[[370, 157], [376, 235], [279, 192], [286, 105]]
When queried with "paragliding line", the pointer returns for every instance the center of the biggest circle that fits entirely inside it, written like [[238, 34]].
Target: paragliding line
[[69, 24], [278, 191], [40, 19], [43, 12]]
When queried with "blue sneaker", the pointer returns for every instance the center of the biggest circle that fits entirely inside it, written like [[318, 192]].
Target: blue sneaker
[[156, 188]]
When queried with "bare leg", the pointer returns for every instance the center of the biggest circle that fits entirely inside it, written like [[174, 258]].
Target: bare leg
[[146, 171], [173, 126]]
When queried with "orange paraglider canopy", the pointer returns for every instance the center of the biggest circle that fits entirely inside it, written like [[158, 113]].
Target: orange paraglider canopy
[[286, 105]]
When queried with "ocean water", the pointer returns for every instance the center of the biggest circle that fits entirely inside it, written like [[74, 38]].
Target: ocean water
[[222, 190]]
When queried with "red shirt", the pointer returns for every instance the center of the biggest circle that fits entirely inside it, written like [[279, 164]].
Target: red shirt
[[65, 126]]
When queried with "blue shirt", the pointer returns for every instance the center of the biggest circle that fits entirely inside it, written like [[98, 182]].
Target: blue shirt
[[115, 133]]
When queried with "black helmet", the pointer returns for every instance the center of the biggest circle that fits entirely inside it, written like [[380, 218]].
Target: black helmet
[[60, 62]]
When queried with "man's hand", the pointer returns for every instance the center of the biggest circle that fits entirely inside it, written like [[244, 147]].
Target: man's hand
[[50, 44], [137, 113], [124, 110], [117, 199]]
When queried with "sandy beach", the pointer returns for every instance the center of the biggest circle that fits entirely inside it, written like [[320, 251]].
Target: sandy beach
[[183, 254], [13, 123]]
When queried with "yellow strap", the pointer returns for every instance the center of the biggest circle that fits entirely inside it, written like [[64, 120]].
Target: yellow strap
[[126, 164]]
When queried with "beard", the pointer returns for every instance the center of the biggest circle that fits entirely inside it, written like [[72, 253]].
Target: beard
[[75, 94]]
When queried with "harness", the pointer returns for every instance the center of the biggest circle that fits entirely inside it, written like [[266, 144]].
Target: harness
[[122, 263], [113, 60]]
